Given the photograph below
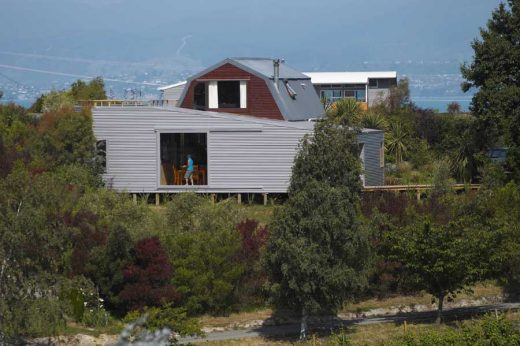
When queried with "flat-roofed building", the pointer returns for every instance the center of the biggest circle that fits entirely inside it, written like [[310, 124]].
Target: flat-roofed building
[[369, 88]]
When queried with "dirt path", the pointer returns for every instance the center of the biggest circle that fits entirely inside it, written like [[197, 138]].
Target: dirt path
[[293, 329]]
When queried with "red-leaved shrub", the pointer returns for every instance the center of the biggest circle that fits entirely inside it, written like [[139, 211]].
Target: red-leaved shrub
[[252, 237], [147, 280]]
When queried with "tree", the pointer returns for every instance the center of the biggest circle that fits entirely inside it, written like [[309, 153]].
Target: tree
[[446, 247], [56, 100], [454, 108], [204, 248], [94, 90], [67, 137], [502, 207], [399, 97], [435, 259], [317, 254], [37, 106], [396, 141], [495, 74], [106, 267], [253, 238], [34, 243]]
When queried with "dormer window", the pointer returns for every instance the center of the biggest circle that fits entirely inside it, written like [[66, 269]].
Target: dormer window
[[227, 94]]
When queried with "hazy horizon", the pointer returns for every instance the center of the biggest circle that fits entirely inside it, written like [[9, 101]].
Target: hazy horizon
[[161, 41]]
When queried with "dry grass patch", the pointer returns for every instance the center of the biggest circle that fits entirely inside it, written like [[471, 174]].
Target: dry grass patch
[[488, 290]]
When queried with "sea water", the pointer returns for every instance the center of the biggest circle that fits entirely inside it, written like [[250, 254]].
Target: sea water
[[440, 104]]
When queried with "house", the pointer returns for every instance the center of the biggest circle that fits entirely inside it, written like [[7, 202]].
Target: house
[[258, 87], [146, 147], [172, 93], [241, 120], [369, 88]]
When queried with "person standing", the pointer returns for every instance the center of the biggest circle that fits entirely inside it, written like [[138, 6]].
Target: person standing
[[189, 170]]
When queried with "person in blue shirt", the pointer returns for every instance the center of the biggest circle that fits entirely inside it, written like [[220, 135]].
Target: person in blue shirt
[[189, 171]]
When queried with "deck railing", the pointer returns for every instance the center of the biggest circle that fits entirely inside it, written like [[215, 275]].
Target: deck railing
[[127, 103]]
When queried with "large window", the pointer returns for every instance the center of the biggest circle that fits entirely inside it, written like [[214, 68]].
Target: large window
[[228, 94], [361, 95], [175, 148], [336, 95], [332, 95]]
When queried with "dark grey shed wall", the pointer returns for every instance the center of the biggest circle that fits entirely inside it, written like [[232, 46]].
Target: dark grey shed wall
[[373, 141]]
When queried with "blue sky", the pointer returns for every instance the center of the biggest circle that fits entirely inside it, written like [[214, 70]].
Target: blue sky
[[314, 34]]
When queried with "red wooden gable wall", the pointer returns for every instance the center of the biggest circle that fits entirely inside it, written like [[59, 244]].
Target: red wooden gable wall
[[260, 102]]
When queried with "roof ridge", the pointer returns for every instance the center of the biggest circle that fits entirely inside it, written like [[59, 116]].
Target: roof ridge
[[250, 58]]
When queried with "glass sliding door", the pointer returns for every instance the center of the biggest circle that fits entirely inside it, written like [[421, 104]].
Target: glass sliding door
[[175, 148]]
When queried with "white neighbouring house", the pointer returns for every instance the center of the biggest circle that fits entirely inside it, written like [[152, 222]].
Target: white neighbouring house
[[369, 88]]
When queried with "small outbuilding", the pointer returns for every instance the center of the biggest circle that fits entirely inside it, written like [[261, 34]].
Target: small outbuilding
[[145, 150]]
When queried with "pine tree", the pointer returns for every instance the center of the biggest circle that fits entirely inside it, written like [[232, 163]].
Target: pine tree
[[317, 254], [495, 73]]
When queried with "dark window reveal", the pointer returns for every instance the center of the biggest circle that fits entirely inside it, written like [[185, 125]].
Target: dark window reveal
[[101, 154], [229, 94], [372, 83], [199, 96]]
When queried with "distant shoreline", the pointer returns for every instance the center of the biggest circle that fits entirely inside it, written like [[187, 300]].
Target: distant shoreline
[[436, 103]]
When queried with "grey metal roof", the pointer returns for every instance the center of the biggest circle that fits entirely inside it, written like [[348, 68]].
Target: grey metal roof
[[303, 105], [264, 66]]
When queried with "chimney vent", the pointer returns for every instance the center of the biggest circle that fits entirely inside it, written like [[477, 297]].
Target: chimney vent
[[276, 72]]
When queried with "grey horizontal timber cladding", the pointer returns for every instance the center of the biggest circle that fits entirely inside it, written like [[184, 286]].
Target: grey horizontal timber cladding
[[245, 154]]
